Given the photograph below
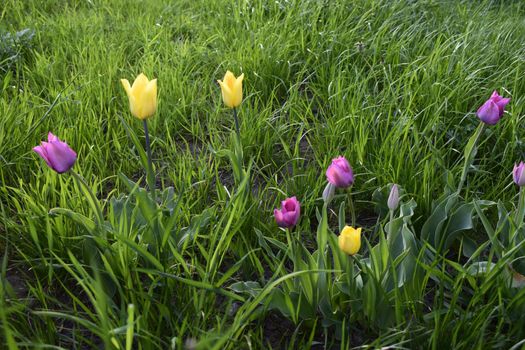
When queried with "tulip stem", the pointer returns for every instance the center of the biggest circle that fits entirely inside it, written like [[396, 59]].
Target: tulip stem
[[351, 206], [470, 153], [521, 208], [290, 244], [151, 175], [237, 128]]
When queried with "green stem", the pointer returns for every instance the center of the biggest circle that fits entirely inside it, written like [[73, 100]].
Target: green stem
[[290, 244], [151, 175], [351, 206], [238, 151], [520, 213], [469, 157], [237, 127], [389, 225], [351, 274]]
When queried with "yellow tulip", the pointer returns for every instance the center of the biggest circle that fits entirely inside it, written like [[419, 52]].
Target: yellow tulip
[[231, 88], [142, 96], [350, 240]]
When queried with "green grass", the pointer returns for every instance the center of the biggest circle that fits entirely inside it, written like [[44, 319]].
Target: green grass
[[391, 85]]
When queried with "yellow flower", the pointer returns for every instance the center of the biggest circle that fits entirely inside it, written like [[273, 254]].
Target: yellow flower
[[231, 88], [142, 96], [350, 240]]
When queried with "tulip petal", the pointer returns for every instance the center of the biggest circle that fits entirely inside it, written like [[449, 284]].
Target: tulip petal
[[225, 87], [350, 240], [501, 104], [518, 174], [278, 217], [238, 82], [149, 99], [290, 218], [489, 113], [337, 177], [495, 95], [393, 198], [139, 85], [226, 94], [289, 214], [127, 87], [41, 151], [229, 79], [51, 137], [152, 86], [237, 90], [61, 156], [521, 178]]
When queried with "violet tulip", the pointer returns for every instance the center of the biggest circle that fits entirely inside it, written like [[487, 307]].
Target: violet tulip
[[57, 154], [492, 110], [289, 213], [519, 174], [340, 173], [393, 198]]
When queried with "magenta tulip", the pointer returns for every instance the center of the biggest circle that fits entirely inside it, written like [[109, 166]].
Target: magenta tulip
[[519, 174], [289, 213], [57, 154], [492, 110], [340, 173]]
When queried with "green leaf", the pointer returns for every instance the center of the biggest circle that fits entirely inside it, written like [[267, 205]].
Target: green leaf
[[433, 228], [460, 220], [251, 288]]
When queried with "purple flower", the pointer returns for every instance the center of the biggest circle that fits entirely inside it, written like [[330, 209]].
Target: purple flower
[[289, 213], [339, 173], [57, 154], [393, 198], [518, 174], [492, 110]]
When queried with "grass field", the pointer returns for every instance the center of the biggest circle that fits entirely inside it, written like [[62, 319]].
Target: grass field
[[392, 85]]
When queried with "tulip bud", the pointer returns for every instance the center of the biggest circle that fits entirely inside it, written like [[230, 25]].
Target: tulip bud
[[519, 174], [339, 173], [393, 198], [328, 193], [231, 89], [492, 110], [350, 240], [289, 213], [142, 96], [57, 154]]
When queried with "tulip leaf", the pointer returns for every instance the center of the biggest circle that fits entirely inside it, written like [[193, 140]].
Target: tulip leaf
[[433, 227], [460, 220], [469, 246], [251, 288], [406, 210], [477, 268]]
